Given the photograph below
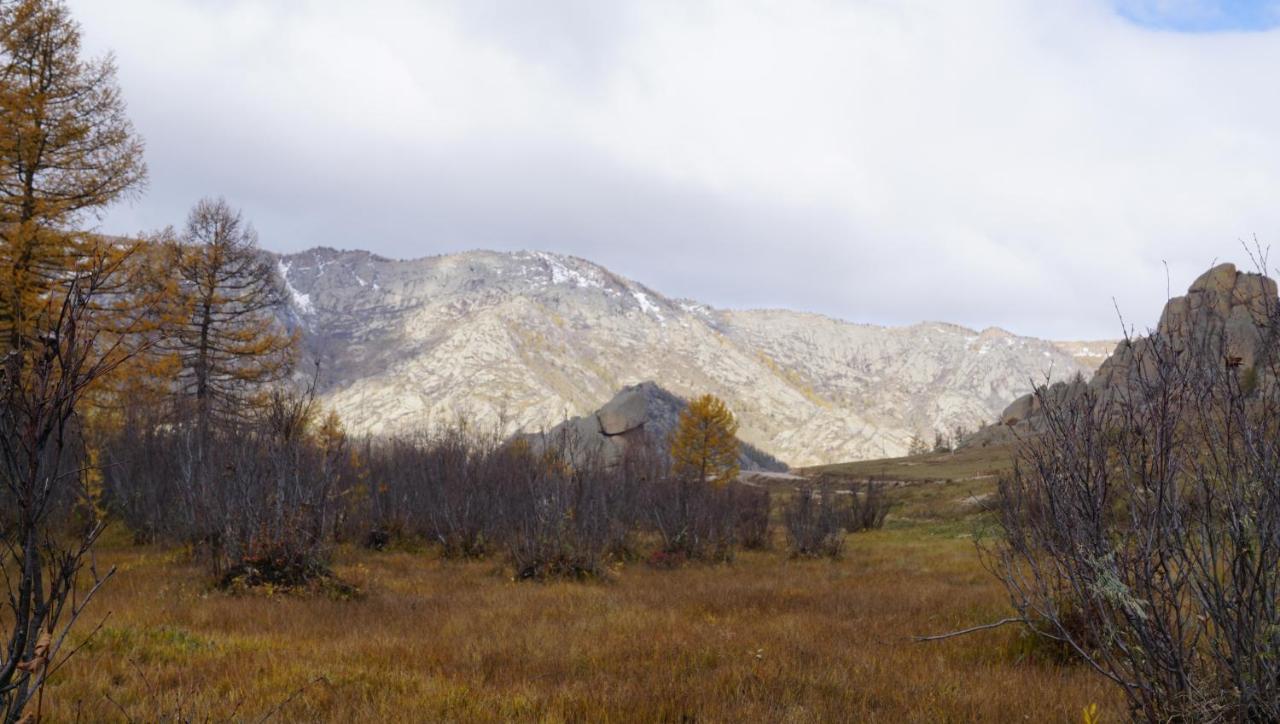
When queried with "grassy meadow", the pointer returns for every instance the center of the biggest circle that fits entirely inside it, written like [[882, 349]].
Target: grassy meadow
[[967, 464], [764, 638]]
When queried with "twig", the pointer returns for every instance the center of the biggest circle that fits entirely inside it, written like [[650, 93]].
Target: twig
[[962, 632], [291, 697], [79, 646], [124, 712]]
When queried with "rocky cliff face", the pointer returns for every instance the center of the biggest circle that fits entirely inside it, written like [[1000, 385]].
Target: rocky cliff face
[[524, 341], [1222, 316], [1224, 319]]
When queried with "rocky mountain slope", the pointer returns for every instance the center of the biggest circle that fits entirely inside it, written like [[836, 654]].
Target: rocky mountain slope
[[1089, 354], [522, 341]]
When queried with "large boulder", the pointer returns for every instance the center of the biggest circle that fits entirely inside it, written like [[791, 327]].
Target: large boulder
[[1019, 410], [626, 411], [643, 414], [1219, 279], [1244, 340]]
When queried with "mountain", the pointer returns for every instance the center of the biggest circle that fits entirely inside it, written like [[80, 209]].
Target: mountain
[[1089, 354], [522, 341]]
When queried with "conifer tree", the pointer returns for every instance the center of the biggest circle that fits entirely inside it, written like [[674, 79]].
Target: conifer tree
[[228, 340], [704, 446], [67, 151]]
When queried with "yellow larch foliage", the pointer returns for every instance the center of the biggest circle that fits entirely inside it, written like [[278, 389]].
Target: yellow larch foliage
[[704, 445], [229, 342], [67, 151]]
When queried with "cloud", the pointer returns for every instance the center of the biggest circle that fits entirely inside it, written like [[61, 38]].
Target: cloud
[[999, 162]]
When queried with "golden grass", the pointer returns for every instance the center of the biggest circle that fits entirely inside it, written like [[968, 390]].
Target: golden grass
[[762, 639]]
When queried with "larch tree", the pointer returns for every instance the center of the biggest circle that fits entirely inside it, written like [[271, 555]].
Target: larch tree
[[67, 151], [704, 446], [228, 340]]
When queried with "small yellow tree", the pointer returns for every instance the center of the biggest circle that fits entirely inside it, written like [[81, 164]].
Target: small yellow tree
[[704, 445]]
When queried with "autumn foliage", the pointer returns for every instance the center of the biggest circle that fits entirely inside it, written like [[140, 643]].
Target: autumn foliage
[[225, 334], [704, 445], [66, 321]]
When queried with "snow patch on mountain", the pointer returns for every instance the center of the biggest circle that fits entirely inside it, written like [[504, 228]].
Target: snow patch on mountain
[[521, 341], [301, 302]]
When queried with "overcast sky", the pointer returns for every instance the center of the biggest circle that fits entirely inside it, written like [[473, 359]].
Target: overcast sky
[[1016, 163]]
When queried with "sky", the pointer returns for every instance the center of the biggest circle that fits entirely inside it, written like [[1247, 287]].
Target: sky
[[1024, 164]]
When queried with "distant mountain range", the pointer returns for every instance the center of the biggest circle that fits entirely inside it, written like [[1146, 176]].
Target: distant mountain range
[[522, 341]]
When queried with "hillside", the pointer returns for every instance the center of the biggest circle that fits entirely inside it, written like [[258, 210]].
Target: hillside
[[522, 341], [971, 463]]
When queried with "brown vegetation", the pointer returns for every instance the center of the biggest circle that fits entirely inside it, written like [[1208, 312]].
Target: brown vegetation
[[762, 639], [1141, 529]]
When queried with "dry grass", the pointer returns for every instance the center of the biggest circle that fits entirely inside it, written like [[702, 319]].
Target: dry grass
[[761, 639]]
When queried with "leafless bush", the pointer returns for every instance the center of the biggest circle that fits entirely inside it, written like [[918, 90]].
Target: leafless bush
[[439, 487], [552, 508], [1142, 531], [279, 488], [566, 512], [45, 563], [695, 519], [140, 476], [866, 509], [753, 506], [813, 522], [557, 520], [267, 502], [258, 501], [385, 503]]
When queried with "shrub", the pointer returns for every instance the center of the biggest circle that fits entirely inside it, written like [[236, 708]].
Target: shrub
[[753, 508], [264, 490], [695, 519], [813, 522], [283, 490], [558, 520], [1141, 529], [866, 509], [439, 487]]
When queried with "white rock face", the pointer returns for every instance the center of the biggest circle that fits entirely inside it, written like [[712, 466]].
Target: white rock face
[[521, 341]]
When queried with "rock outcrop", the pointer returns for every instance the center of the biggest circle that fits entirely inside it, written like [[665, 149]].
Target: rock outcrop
[[1225, 318], [1222, 320], [637, 415]]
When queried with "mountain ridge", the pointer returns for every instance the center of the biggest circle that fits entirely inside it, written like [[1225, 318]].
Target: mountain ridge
[[522, 341]]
